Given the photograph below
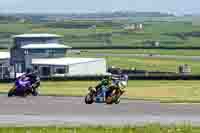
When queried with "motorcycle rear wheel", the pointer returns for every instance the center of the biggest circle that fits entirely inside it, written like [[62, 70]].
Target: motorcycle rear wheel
[[11, 93], [88, 99], [109, 100]]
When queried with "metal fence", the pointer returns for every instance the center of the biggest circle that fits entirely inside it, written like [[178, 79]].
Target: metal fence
[[4, 72]]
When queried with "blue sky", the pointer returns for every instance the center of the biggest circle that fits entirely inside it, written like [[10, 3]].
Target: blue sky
[[68, 6]]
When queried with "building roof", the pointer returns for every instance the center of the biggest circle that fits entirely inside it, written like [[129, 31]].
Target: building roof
[[64, 61], [4, 55], [35, 35], [45, 46]]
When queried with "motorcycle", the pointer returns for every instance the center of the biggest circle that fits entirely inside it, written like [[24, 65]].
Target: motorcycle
[[108, 95], [23, 86]]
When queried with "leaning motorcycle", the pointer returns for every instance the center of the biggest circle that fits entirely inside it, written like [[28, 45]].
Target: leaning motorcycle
[[108, 95], [23, 87]]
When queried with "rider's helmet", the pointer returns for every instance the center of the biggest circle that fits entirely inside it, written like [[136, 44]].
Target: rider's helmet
[[119, 71], [124, 77], [123, 81], [122, 84]]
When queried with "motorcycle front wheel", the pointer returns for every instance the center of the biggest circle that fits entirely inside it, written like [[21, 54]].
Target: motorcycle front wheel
[[35, 92], [117, 101], [89, 99]]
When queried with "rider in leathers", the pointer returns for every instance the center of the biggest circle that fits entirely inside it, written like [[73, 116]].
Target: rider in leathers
[[105, 82], [111, 82], [34, 78]]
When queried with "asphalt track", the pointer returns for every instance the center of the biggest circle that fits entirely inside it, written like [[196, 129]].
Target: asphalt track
[[72, 111]]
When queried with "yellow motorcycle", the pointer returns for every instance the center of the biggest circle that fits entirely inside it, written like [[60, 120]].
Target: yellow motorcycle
[[108, 95]]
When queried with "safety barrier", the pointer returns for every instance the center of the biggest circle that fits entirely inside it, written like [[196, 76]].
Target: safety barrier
[[131, 77]]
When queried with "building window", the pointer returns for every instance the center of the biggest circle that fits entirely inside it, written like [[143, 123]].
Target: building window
[[26, 52], [60, 71], [52, 41], [67, 69], [18, 67], [45, 71], [37, 51]]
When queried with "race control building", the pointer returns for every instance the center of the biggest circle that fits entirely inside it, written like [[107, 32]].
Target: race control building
[[47, 53]]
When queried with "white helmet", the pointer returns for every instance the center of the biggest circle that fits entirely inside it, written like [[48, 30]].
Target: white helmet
[[122, 84]]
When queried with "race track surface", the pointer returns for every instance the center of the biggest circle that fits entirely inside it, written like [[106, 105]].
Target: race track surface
[[49, 110]]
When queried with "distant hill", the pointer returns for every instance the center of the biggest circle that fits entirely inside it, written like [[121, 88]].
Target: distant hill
[[119, 14], [7, 18]]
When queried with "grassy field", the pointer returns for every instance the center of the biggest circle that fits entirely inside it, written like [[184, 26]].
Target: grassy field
[[165, 91], [154, 128], [144, 63], [110, 33], [152, 64], [145, 51]]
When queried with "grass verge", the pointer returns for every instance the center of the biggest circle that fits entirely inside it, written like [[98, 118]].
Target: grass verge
[[154, 128], [178, 91]]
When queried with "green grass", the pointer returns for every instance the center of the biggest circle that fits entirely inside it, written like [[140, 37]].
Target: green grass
[[165, 91], [153, 64], [14, 28], [146, 51], [153, 128], [120, 37], [144, 63]]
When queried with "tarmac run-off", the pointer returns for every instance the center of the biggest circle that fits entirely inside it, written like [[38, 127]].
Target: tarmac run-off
[[49, 110]]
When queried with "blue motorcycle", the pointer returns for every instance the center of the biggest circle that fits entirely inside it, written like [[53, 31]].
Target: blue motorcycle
[[24, 87]]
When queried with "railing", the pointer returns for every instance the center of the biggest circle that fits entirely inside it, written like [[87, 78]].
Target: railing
[[131, 77]]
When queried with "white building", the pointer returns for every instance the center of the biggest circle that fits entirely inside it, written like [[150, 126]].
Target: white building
[[4, 65], [46, 53], [70, 66], [134, 27]]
